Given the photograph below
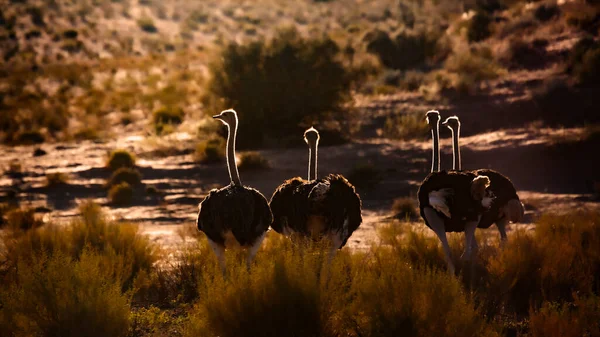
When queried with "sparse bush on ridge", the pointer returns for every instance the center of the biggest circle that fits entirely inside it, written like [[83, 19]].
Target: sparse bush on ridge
[[147, 25], [407, 50], [406, 126], [276, 69], [56, 179]]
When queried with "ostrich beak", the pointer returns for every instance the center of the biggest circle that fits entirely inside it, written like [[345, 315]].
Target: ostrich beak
[[217, 116]]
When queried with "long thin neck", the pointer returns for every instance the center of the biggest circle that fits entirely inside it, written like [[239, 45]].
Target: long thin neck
[[233, 171], [435, 133], [312, 161], [457, 165]]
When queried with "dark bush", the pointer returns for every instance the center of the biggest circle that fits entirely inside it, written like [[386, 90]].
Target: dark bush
[[545, 12], [407, 50], [32, 34], [125, 174], [364, 175], [56, 179], [588, 70], [167, 115], [147, 25], [70, 34], [22, 219], [404, 208], [120, 158], [268, 84], [250, 161], [525, 54], [29, 137], [37, 16], [120, 194], [479, 27], [210, 151]]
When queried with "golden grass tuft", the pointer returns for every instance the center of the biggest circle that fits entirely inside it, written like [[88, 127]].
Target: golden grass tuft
[[251, 161], [120, 158]]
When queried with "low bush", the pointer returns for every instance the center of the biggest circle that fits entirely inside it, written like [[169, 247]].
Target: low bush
[[545, 12], [278, 72], [526, 54], [147, 25], [167, 115], [407, 50], [60, 296], [479, 27], [121, 194], [405, 208], [56, 179], [561, 259], [210, 151], [127, 175], [364, 175], [580, 318], [21, 219], [252, 161], [120, 158], [406, 126]]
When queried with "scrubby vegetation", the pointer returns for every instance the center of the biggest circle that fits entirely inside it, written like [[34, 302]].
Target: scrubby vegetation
[[541, 283], [279, 68], [121, 194], [210, 151], [56, 179], [252, 161]]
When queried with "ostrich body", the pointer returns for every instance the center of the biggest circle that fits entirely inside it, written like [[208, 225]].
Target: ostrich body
[[234, 215], [507, 205], [452, 201], [316, 207]]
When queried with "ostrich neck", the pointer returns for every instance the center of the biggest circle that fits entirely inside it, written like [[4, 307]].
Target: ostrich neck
[[457, 165], [233, 171], [312, 161], [435, 131]]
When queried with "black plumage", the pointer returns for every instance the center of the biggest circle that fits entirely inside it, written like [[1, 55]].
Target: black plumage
[[461, 204], [504, 191], [316, 207], [241, 210]]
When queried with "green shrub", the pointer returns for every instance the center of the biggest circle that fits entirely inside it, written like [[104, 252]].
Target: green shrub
[[120, 158], [61, 296], [252, 161], [277, 71], [121, 194], [127, 175], [407, 126], [147, 25], [210, 151], [364, 175], [479, 27]]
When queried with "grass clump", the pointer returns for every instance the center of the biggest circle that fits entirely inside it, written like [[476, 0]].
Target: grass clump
[[121, 194], [407, 126], [120, 158], [165, 118], [147, 25], [404, 208], [58, 295], [252, 161], [277, 69], [56, 179], [561, 259], [127, 175], [21, 219], [580, 318], [210, 151]]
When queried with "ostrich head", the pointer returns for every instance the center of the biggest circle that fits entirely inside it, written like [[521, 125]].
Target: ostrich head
[[228, 117], [452, 123], [432, 117], [480, 191], [311, 136]]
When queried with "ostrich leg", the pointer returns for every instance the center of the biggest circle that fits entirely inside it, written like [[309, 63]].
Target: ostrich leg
[[437, 224]]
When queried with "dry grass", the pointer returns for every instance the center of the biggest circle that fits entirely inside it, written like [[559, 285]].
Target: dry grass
[[252, 161], [56, 179], [120, 158]]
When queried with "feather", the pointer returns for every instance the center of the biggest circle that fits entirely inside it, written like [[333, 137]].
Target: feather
[[439, 201]]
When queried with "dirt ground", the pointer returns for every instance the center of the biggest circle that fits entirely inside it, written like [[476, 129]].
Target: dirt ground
[[539, 161]]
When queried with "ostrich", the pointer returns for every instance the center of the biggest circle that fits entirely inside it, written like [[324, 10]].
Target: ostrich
[[452, 201], [316, 207], [235, 214], [507, 205]]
